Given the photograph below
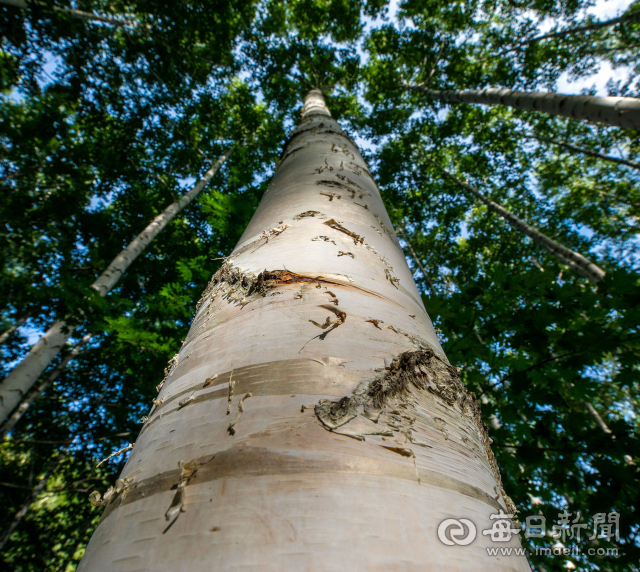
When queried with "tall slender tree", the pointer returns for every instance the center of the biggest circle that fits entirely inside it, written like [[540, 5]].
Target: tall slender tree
[[311, 418], [14, 327], [571, 258], [626, 17], [618, 111], [9, 424], [78, 14], [589, 152], [15, 386]]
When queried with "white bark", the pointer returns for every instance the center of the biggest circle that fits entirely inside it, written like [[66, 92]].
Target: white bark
[[628, 17], [5, 335], [426, 276], [120, 263], [588, 152], [78, 14], [596, 417], [593, 413], [267, 486], [37, 392], [27, 372], [578, 263], [618, 111]]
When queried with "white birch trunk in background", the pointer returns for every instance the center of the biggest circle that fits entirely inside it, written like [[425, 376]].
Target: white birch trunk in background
[[629, 16], [26, 373], [6, 335], [278, 445], [77, 14], [574, 260], [618, 111], [588, 152], [33, 495], [593, 413], [27, 402]]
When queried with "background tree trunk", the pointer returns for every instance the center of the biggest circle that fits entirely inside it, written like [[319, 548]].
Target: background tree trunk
[[77, 14], [32, 496], [588, 152], [8, 333], [578, 263], [627, 17], [278, 445], [425, 274], [618, 111], [26, 373], [37, 392]]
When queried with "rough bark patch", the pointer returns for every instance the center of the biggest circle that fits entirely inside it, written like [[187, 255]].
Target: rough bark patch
[[239, 287], [395, 392]]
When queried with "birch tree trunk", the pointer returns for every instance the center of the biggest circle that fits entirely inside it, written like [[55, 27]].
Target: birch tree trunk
[[618, 111], [26, 373], [425, 274], [77, 14], [31, 497], [588, 152], [576, 261], [311, 420], [39, 389], [8, 333], [627, 17]]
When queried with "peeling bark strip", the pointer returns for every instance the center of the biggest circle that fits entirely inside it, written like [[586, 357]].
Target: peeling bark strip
[[411, 371], [238, 287], [27, 372], [357, 239], [617, 111], [578, 263], [187, 472], [280, 489]]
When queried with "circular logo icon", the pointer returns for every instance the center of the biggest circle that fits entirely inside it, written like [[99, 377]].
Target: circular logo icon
[[457, 531]]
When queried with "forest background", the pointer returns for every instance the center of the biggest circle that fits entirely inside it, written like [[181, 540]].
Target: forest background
[[110, 111]]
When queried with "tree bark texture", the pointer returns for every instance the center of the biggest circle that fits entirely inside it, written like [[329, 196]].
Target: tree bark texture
[[589, 152], [576, 261], [617, 111], [78, 14], [26, 373], [311, 420]]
